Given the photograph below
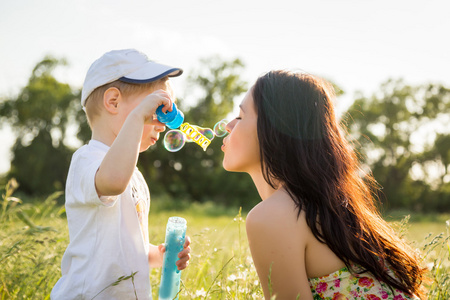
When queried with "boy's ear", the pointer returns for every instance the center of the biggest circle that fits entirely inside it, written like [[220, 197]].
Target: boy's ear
[[111, 99]]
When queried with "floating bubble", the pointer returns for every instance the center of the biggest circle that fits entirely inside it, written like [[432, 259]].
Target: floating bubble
[[174, 140], [220, 128], [207, 132]]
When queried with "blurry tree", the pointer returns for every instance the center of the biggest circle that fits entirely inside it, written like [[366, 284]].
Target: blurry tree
[[385, 127], [191, 172], [396, 130], [39, 117]]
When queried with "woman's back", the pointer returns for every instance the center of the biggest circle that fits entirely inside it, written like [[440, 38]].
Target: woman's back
[[284, 248], [279, 210], [273, 223]]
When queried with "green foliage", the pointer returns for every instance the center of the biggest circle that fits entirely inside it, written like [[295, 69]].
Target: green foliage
[[40, 116], [220, 267], [118, 281], [40, 167], [382, 127], [437, 252], [42, 105], [8, 201], [30, 254]]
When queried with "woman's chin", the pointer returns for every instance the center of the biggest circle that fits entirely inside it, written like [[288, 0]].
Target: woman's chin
[[225, 166], [229, 168]]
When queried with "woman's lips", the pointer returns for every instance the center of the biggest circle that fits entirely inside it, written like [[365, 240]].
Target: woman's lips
[[223, 145]]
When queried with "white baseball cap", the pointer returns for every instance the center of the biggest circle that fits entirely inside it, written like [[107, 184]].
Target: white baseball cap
[[128, 65]]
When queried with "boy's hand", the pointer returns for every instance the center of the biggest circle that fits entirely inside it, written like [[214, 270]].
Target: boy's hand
[[147, 108], [184, 256]]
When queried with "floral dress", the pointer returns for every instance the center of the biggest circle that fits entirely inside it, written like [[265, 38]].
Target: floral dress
[[343, 285]]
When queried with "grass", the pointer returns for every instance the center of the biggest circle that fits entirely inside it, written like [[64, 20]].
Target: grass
[[33, 238]]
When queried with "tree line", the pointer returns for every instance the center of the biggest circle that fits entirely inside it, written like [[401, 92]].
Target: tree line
[[384, 129]]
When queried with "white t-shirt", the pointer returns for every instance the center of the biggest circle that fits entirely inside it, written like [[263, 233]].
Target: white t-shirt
[[108, 236]]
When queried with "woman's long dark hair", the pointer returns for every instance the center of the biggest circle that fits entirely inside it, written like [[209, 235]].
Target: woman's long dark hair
[[302, 146]]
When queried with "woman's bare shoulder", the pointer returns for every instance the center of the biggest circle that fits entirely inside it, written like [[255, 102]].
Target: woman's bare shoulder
[[278, 242], [275, 222], [278, 212]]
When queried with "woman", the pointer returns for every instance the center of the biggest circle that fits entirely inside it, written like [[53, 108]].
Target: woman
[[316, 234]]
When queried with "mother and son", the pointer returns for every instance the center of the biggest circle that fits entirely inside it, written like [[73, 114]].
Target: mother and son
[[316, 232]]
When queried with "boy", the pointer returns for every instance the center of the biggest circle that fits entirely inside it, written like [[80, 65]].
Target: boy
[[107, 199]]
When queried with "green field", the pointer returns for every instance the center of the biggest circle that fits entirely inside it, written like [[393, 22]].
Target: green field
[[33, 238]]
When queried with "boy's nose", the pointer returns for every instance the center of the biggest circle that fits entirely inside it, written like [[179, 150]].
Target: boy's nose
[[160, 128]]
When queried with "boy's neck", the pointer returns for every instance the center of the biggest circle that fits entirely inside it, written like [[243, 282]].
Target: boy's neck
[[103, 132]]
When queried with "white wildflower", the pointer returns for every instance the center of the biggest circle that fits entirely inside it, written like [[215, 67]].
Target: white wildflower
[[232, 277], [200, 293]]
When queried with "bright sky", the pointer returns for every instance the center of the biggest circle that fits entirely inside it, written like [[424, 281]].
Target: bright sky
[[357, 44]]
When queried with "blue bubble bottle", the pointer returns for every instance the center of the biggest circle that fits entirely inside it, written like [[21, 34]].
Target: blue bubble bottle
[[173, 119], [170, 275]]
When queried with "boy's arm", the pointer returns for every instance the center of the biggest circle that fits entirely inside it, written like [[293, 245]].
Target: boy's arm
[[119, 163]]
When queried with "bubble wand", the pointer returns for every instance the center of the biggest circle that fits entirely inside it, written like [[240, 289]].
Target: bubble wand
[[175, 139]]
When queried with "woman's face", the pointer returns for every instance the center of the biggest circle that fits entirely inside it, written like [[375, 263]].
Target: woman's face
[[241, 146]]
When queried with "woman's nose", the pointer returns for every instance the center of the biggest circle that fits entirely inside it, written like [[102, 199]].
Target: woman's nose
[[229, 126]]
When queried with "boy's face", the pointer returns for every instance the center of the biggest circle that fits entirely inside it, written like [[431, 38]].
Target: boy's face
[[151, 133]]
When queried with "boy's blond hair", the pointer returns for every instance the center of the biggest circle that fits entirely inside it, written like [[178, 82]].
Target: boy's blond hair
[[94, 103]]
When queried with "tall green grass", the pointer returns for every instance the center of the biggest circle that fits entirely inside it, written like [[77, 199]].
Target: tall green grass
[[32, 240], [33, 237]]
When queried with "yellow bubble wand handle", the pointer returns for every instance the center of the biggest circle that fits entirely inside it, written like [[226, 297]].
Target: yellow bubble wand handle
[[195, 135]]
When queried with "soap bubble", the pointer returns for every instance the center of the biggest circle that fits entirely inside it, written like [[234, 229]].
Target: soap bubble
[[174, 140], [206, 132], [219, 128]]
